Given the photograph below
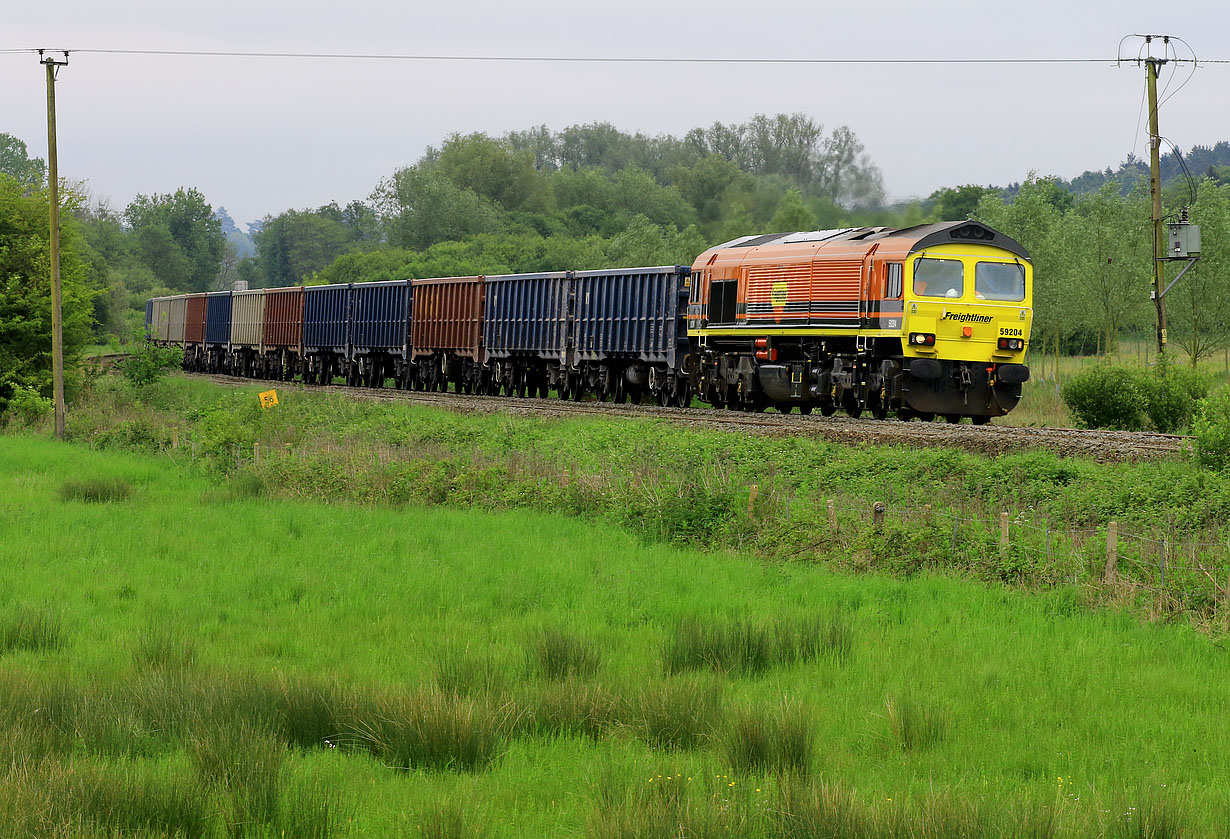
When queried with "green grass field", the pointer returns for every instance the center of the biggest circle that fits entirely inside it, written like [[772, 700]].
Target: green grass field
[[182, 655]]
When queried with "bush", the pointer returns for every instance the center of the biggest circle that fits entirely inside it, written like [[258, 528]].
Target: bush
[[1128, 398], [149, 362], [27, 406], [1170, 395], [1212, 430], [1102, 396]]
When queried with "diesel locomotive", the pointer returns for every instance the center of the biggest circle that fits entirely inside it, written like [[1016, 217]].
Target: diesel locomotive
[[925, 321]]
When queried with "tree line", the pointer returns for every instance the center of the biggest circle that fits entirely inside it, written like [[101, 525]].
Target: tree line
[[588, 196]]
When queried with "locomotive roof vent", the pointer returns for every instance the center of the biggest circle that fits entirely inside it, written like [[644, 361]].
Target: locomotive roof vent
[[973, 231]]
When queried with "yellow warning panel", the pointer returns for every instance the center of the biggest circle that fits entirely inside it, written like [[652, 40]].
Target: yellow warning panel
[[268, 398]]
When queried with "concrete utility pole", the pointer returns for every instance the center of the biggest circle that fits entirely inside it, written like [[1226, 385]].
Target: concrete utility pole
[[53, 188], [1155, 190]]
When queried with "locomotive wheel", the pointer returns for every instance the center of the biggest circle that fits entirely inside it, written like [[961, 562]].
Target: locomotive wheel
[[783, 407], [877, 407], [953, 419], [980, 420], [853, 409], [905, 414], [805, 409], [827, 408], [926, 416]]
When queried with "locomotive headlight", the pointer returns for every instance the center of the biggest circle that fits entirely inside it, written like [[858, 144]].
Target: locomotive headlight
[[922, 339]]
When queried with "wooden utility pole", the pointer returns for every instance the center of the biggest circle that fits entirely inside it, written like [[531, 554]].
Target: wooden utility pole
[[1155, 191], [53, 189]]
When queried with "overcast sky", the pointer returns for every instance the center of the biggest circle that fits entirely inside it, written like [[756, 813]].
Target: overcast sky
[[260, 136]]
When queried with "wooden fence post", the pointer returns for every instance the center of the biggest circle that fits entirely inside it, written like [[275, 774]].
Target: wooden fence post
[[175, 437], [1003, 532], [877, 514], [832, 518], [256, 454], [927, 514], [1112, 552], [751, 498], [1226, 602]]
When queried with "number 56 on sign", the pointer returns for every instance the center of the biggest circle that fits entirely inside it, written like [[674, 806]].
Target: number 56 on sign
[[268, 398]]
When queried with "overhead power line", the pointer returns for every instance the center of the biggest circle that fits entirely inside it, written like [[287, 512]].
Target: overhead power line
[[587, 59]]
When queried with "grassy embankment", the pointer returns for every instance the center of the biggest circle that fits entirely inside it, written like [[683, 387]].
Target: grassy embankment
[[181, 653], [692, 486]]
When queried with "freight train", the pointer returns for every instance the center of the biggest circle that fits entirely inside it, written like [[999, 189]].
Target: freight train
[[925, 321]]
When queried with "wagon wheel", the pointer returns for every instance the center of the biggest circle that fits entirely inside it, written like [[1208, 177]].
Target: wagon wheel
[[805, 408], [905, 414], [926, 416], [634, 394], [953, 419], [576, 387], [976, 420], [666, 396], [683, 393], [620, 394]]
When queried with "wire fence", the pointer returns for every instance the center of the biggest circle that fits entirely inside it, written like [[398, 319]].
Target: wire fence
[[1192, 570]]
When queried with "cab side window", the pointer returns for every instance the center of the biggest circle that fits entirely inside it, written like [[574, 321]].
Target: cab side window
[[892, 281]]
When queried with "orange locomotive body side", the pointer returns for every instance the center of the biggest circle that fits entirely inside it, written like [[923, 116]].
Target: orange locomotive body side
[[837, 283]]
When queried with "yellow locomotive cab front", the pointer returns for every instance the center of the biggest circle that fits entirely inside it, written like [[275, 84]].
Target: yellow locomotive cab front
[[967, 303]]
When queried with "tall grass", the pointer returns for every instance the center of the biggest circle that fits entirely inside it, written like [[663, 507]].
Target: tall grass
[[450, 819], [572, 707], [459, 669], [77, 799], [95, 490], [679, 712], [245, 764], [554, 652], [163, 646], [431, 730], [913, 725], [29, 628], [749, 647], [776, 739]]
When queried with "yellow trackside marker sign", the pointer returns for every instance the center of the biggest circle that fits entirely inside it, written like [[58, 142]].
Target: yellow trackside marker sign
[[268, 398]]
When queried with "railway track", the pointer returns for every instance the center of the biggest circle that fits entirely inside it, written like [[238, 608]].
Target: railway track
[[1106, 446]]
